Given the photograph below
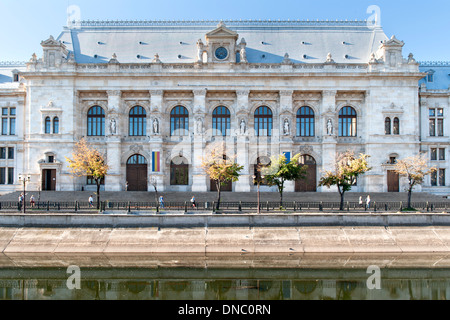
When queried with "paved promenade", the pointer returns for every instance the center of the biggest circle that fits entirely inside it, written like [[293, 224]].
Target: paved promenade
[[226, 196]]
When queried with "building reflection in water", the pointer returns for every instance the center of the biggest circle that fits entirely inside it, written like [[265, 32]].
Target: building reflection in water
[[323, 288]]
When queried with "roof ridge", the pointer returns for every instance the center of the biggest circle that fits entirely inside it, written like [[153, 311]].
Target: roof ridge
[[298, 22]]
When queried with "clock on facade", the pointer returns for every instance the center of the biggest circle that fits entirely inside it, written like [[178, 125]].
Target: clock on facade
[[221, 53]]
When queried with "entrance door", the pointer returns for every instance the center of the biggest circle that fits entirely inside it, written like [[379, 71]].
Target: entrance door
[[137, 169], [49, 180], [309, 184], [393, 181]]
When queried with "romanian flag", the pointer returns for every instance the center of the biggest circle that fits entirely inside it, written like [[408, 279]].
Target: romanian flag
[[156, 157], [288, 156]]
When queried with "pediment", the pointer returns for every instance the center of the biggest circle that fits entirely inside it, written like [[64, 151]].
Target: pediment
[[51, 42], [394, 42], [222, 32]]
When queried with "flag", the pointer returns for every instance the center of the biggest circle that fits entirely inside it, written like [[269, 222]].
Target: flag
[[156, 155], [288, 156]]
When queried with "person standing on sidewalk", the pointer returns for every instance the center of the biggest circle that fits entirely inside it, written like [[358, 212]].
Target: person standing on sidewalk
[[368, 201], [194, 205], [161, 202]]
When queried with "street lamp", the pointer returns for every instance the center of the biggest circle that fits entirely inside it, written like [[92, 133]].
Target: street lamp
[[24, 178]]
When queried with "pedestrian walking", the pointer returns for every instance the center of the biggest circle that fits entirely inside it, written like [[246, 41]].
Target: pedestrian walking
[[126, 186], [91, 201], [161, 202], [194, 205], [33, 202], [360, 202], [368, 201], [20, 201]]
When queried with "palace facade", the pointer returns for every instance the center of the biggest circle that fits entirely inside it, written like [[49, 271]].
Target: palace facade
[[153, 96]]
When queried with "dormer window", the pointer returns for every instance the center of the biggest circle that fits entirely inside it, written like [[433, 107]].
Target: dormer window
[[430, 76], [15, 75]]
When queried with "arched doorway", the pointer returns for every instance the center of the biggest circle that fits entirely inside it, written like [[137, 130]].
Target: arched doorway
[[309, 184], [179, 171], [227, 187], [137, 169]]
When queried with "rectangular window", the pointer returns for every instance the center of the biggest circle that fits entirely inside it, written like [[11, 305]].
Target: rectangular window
[[4, 111], [433, 154], [434, 179], [4, 126], [2, 175], [441, 154], [442, 177], [430, 77], [12, 126], [10, 153], [432, 125], [440, 127], [10, 175], [2, 153]]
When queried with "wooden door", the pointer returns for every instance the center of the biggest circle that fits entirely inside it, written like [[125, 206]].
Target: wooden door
[[393, 181], [309, 184], [49, 180], [137, 177]]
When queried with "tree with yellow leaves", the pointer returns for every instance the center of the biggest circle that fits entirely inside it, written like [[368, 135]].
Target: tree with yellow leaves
[[220, 169], [347, 170], [415, 168], [88, 162]]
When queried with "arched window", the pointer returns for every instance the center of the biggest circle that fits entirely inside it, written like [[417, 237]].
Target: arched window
[[179, 121], [137, 124], [55, 125], [387, 125], [96, 121], [263, 122], [396, 126], [347, 122], [305, 122], [137, 159], [48, 125], [221, 121]]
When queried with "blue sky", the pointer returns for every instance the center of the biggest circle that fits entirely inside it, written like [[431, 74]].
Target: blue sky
[[423, 25]]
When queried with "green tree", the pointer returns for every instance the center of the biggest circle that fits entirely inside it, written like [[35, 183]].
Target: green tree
[[415, 168], [88, 162], [347, 170], [221, 170], [280, 170]]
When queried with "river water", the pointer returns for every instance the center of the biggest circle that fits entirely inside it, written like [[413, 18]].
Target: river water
[[226, 278]]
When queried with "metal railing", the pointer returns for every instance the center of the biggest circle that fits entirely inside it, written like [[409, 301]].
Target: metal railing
[[231, 207]]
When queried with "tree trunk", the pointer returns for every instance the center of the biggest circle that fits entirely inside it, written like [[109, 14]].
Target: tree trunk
[[98, 194], [281, 189], [218, 195], [409, 197], [341, 193]]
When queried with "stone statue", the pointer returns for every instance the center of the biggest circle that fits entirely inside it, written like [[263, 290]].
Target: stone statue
[[243, 54], [286, 129], [199, 126], [155, 126], [329, 127], [329, 58], [113, 126], [199, 50], [242, 127]]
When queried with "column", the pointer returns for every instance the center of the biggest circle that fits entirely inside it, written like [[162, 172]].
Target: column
[[329, 131], [155, 124], [113, 180], [242, 158], [200, 179], [287, 131]]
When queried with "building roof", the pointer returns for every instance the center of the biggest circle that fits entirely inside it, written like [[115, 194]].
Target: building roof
[[266, 41], [441, 74]]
